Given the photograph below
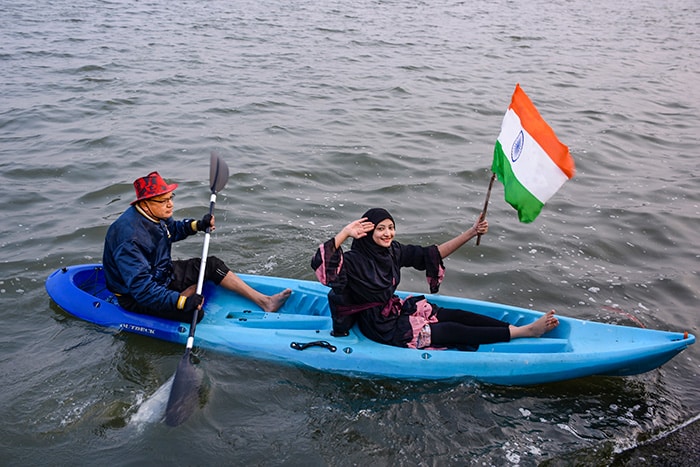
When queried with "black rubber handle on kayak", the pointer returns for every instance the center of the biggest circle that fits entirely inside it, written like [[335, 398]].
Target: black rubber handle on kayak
[[324, 344]]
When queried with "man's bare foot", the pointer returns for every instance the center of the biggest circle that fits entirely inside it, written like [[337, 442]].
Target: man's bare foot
[[543, 325], [275, 302]]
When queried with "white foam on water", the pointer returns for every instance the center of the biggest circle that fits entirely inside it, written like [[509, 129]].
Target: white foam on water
[[153, 409], [622, 445]]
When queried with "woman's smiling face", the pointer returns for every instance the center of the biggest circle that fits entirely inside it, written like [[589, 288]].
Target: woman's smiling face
[[384, 233]]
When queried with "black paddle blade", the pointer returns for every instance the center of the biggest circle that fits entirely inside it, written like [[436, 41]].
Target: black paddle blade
[[184, 395], [218, 173]]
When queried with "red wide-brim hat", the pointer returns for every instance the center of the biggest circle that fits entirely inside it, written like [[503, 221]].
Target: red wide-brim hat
[[150, 186]]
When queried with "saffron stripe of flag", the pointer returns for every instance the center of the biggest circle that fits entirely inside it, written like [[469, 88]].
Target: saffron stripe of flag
[[528, 158]]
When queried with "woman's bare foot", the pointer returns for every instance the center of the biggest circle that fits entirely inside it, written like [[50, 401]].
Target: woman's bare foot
[[275, 302], [542, 325]]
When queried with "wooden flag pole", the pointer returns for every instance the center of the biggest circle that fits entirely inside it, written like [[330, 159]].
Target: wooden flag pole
[[486, 205]]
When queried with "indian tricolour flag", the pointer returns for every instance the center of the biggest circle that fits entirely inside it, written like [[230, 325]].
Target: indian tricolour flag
[[529, 159]]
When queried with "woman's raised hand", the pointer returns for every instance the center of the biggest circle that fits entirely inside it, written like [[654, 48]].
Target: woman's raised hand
[[355, 229], [359, 228]]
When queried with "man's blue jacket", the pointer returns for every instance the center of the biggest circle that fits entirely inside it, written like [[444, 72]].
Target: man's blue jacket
[[137, 259]]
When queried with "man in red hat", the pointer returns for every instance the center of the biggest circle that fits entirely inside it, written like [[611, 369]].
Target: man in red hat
[[139, 268]]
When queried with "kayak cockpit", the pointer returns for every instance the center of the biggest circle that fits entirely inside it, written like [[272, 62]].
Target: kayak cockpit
[[92, 281]]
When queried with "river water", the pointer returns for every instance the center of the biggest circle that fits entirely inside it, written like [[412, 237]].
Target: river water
[[323, 109]]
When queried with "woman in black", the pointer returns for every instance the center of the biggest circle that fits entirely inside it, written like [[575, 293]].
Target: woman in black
[[364, 279]]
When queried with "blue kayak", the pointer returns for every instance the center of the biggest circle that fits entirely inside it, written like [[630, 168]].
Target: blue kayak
[[300, 334]]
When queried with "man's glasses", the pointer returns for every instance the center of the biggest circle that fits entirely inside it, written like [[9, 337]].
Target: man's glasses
[[163, 201]]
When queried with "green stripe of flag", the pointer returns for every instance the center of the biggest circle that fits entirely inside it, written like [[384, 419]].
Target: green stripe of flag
[[516, 194]]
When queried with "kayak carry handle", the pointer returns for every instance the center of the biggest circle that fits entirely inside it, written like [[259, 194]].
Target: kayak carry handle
[[324, 344]]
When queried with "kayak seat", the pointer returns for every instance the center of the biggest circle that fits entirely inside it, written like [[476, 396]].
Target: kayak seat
[[308, 305], [529, 345], [278, 321], [92, 281]]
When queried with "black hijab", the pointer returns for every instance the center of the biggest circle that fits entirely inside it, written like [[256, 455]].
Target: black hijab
[[372, 269]]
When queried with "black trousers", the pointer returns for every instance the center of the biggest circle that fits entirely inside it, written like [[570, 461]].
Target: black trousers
[[459, 328], [185, 274]]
